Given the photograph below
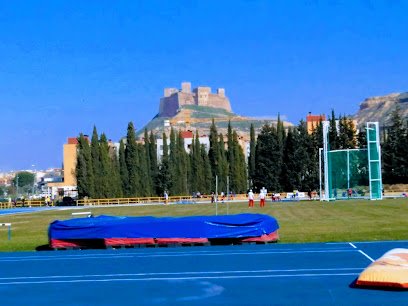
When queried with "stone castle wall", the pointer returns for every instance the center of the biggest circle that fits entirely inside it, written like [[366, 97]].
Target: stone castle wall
[[174, 99]]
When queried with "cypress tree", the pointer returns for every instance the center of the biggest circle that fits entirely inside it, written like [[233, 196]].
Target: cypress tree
[[123, 170], [290, 167], [251, 162], [84, 170], [213, 153], [182, 169], [117, 190], [96, 169], [153, 161], [222, 170], [105, 181], [333, 135], [132, 161], [268, 160], [164, 182], [206, 171], [143, 171], [147, 161], [240, 167]]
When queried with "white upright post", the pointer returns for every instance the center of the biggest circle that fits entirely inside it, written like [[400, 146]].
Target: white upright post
[[320, 174], [348, 170], [216, 195], [326, 125]]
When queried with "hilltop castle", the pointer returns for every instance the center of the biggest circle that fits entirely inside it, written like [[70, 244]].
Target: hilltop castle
[[175, 98]]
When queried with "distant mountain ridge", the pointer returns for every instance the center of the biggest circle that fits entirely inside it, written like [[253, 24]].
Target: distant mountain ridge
[[379, 108]]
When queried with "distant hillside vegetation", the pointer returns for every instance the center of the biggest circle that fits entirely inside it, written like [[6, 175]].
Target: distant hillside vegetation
[[194, 117]]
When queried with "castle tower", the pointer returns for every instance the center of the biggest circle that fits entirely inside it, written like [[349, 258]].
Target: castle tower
[[202, 95], [169, 91], [186, 87], [221, 92]]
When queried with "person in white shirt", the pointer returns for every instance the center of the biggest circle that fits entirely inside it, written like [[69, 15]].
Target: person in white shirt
[[262, 199], [250, 198]]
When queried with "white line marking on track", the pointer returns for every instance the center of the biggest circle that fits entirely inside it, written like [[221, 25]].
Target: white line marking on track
[[380, 241], [178, 278], [177, 273], [352, 245], [150, 255], [360, 251]]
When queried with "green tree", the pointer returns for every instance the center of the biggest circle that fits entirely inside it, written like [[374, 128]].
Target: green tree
[[164, 182], [207, 171], [24, 180], [148, 164], [132, 162], [395, 152], [96, 168], [268, 159], [84, 170], [333, 134], [123, 170], [214, 152], [239, 166], [105, 171], [153, 161], [222, 170], [290, 167], [251, 159]]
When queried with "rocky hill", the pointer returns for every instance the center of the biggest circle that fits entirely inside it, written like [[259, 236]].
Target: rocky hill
[[195, 117], [380, 108]]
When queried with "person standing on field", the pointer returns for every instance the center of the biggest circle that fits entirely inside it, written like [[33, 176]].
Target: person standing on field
[[250, 198], [262, 199], [166, 197]]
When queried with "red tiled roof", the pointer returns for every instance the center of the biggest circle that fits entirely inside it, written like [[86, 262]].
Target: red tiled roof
[[314, 118], [186, 134]]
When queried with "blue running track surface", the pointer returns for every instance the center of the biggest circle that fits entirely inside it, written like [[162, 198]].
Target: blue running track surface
[[274, 274]]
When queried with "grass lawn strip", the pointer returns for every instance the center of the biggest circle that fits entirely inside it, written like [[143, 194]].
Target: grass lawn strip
[[306, 221]]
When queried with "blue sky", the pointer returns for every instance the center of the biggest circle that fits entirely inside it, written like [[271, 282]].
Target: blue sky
[[67, 65]]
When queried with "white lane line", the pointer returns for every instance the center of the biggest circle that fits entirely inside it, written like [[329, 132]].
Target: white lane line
[[377, 241], [178, 278], [352, 245], [136, 253], [172, 255], [360, 251], [178, 273]]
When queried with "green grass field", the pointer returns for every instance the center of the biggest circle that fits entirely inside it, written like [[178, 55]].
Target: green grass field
[[305, 221]]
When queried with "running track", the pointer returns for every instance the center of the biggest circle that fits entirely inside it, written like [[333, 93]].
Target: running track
[[274, 274]]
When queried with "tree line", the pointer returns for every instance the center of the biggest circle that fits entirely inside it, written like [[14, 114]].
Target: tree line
[[280, 159], [135, 171]]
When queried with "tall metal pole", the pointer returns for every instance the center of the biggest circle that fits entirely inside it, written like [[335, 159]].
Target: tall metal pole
[[216, 195], [326, 160], [227, 194], [348, 170], [320, 173]]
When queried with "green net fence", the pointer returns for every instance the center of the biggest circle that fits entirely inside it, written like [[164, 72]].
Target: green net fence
[[348, 173]]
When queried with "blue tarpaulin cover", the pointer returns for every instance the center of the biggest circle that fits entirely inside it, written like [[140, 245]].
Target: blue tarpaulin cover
[[224, 226]]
